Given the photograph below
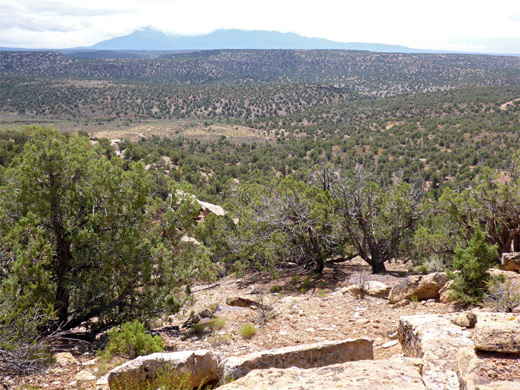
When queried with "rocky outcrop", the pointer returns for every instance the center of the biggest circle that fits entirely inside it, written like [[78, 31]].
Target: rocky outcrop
[[391, 374], [498, 332], [478, 371], [420, 286], [511, 261], [371, 288], [452, 354], [436, 340], [301, 356], [201, 366]]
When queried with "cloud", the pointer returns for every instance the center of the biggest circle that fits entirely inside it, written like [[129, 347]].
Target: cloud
[[39, 23], [62, 8]]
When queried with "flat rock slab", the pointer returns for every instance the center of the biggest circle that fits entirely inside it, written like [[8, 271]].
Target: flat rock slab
[[498, 332], [391, 374], [301, 356], [436, 340], [140, 373], [484, 370]]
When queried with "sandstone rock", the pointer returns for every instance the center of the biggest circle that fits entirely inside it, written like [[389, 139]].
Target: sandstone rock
[[243, 302], [498, 332], [511, 261], [502, 385], [65, 359], [465, 320], [85, 375], [301, 356], [401, 303], [422, 287], [471, 370], [391, 374], [444, 293], [467, 368], [437, 341], [195, 319], [201, 365], [516, 309], [373, 288], [389, 344]]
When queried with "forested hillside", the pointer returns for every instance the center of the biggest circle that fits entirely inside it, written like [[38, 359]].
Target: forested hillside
[[315, 156]]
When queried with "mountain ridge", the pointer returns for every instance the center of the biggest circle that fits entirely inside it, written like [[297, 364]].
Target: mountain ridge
[[151, 39]]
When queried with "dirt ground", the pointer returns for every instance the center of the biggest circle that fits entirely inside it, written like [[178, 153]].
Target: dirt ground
[[305, 308]]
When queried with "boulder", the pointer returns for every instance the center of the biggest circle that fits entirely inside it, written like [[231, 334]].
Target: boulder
[[420, 286], [436, 340], [511, 261], [200, 365], [498, 332], [373, 289], [64, 359], [301, 356], [444, 293], [465, 320], [392, 374]]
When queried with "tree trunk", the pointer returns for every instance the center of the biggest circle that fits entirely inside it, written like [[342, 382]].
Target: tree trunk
[[320, 264], [378, 267], [62, 256]]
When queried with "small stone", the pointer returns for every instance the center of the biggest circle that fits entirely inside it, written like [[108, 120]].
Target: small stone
[[85, 375], [465, 320], [389, 344], [401, 303]]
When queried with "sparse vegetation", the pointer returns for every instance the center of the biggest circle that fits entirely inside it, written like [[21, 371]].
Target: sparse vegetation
[[501, 295], [131, 341], [247, 331]]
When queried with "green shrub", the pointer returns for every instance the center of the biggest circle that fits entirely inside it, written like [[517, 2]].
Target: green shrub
[[473, 263], [247, 331], [220, 339], [166, 379], [275, 289], [131, 341], [217, 323]]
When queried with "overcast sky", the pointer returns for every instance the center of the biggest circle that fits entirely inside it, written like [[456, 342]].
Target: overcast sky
[[465, 25]]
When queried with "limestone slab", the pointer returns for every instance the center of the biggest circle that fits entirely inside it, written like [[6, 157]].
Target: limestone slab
[[301, 356]]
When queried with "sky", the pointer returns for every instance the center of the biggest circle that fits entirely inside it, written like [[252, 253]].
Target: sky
[[458, 25]]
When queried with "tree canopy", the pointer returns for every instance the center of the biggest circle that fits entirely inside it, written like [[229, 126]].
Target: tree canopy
[[84, 236]]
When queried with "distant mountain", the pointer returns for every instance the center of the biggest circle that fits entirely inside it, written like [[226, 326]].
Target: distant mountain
[[151, 39]]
